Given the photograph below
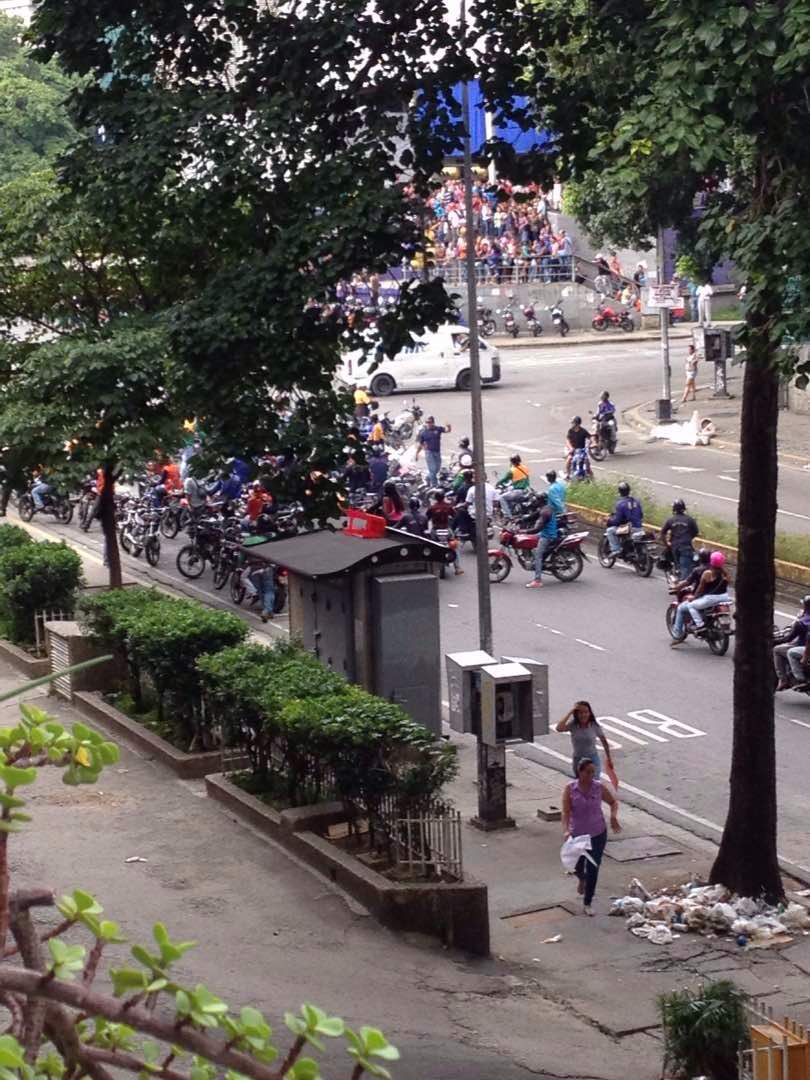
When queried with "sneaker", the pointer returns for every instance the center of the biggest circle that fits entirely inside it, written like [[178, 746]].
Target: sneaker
[[534, 585], [784, 684], [458, 571], [675, 644], [266, 616], [587, 909], [800, 686]]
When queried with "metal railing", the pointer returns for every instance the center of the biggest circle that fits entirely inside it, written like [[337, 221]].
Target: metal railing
[[426, 840], [40, 618], [521, 272]]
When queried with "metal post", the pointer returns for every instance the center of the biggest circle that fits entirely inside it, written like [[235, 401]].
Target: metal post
[[664, 409], [481, 538]]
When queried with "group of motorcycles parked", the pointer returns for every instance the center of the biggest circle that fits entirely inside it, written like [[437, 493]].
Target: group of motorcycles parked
[[487, 325]]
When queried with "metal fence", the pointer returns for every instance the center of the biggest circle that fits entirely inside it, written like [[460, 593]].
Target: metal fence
[[425, 840], [522, 272], [775, 1060], [40, 618]]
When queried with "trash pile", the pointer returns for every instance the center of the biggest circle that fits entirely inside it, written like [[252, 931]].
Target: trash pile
[[710, 910]]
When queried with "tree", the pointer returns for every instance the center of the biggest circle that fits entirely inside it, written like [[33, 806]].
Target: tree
[[152, 1023], [34, 124], [668, 103]]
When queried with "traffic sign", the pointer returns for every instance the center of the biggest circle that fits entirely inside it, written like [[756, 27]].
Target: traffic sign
[[663, 296]]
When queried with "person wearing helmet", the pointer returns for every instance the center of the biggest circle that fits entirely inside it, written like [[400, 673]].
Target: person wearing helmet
[[606, 422], [557, 491], [576, 439], [678, 532], [464, 456], [605, 408], [517, 477], [414, 520], [792, 658], [378, 468], [712, 590], [627, 514], [439, 516], [692, 580], [546, 530]]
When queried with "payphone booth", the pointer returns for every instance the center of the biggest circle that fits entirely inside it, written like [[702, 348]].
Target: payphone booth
[[540, 709], [464, 689], [717, 343], [506, 716]]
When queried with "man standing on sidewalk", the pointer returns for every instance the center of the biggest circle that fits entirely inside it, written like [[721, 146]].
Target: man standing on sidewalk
[[430, 440]]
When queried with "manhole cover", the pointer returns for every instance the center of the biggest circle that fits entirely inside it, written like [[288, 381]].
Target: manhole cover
[[546, 916], [641, 847]]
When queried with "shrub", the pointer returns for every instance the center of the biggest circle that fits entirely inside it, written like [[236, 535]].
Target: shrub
[[33, 577], [108, 616], [703, 1030], [13, 536]]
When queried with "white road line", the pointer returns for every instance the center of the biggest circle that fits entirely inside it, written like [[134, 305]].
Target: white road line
[[590, 644], [731, 479], [801, 723], [624, 734], [633, 727], [550, 629], [564, 757], [685, 468], [784, 614]]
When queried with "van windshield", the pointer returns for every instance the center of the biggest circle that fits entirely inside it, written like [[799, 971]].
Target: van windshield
[[461, 342]]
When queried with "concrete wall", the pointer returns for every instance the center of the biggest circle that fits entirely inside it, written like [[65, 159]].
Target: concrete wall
[[579, 304], [798, 401]]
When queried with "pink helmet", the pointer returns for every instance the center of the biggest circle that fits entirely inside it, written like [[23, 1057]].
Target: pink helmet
[[717, 558]]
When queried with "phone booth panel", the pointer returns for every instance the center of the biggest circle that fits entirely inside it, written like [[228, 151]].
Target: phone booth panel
[[506, 704], [464, 689]]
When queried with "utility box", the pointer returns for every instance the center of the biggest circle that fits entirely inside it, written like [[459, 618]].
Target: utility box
[[718, 347], [540, 706], [67, 644], [464, 689], [506, 704], [369, 609]]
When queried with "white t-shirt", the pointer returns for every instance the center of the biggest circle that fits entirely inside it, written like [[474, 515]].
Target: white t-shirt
[[490, 495], [691, 365]]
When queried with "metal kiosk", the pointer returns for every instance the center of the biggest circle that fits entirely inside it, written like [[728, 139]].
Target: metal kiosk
[[506, 715], [369, 609], [464, 689], [717, 343]]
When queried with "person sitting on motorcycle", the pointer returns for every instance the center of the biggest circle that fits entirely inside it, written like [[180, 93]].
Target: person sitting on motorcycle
[[605, 410], [792, 658], [393, 509], [357, 476], [464, 458], [39, 489], [378, 468], [517, 476], [712, 590], [413, 520], [439, 517], [462, 482], [577, 439], [627, 511], [557, 490], [546, 530], [677, 533], [690, 583], [376, 436]]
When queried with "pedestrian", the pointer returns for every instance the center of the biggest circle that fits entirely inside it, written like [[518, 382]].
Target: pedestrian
[[260, 581], [704, 298], [584, 729], [582, 815], [691, 374], [430, 440]]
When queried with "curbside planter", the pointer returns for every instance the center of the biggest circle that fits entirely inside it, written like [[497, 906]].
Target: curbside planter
[[457, 914], [186, 766], [32, 666]]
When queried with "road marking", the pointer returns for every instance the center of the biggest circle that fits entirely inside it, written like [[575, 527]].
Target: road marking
[[633, 727], [624, 734], [590, 644], [784, 614], [790, 720], [676, 728], [550, 629], [514, 446], [685, 468], [731, 479]]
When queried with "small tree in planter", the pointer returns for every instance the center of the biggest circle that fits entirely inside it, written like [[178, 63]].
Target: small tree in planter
[[33, 577], [703, 1030]]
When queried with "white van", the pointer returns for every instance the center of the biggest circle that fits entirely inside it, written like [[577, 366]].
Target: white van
[[436, 361]]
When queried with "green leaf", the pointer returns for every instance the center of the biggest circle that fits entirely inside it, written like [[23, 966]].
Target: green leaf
[[305, 1069], [14, 777], [11, 1053]]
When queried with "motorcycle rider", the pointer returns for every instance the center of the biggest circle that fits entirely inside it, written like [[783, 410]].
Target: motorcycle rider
[[378, 468], [546, 535], [557, 490], [692, 580], [627, 511], [414, 521], [576, 439], [712, 590], [39, 489], [606, 419], [464, 458], [678, 532], [517, 476], [792, 658], [439, 516]]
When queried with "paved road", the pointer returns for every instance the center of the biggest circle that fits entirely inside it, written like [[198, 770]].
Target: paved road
[[604, 636]]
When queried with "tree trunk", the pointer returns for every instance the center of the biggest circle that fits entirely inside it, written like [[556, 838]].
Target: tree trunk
[[747, 860], [107, 515]]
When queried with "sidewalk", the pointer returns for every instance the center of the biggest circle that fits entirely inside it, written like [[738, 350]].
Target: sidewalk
[[794, 428], [586, 337]]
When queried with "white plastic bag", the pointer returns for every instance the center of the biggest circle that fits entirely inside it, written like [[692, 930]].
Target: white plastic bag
[[573, 849]]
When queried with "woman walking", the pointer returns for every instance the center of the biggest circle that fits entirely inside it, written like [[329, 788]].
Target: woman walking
[[585, 730], [690, 371], [582, 816]]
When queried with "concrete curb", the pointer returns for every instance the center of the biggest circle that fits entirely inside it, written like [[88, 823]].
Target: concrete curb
[[32, 666], [634, 419], [509, 344], [456, 913]]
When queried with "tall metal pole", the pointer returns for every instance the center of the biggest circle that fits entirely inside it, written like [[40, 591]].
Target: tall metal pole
[[665, 404], [481, 538]]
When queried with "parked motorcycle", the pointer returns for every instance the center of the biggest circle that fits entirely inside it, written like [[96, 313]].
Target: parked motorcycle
[[510, 325], [558, 319], [533, 324], [638, 550], [405, 421], [485, 321], [53, 503], [564, 557], [605, 437], [606, 316], [718, 630]]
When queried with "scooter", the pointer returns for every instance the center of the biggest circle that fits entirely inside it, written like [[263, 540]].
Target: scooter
[[558, 319], [510, 325], [605, 316], [533, 324], [717, 632], [564, 558]]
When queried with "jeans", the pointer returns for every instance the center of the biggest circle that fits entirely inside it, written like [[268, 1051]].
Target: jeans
[[543, 543], [684, 557], [704, 603], [586, 870], [38, 491], [680, 618], [263, 582], [787, 659], [508, 498], [433, 460], [613, 539]]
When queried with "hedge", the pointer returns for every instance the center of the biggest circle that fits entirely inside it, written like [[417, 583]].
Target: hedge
[[33, 577], [13, 536]]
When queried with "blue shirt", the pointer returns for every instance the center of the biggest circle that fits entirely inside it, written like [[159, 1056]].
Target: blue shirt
[[800, 631], [549, 519], [431, 438], [556, 496], [627, 510]]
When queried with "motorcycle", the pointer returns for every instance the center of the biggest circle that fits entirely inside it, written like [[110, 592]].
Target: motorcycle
[[604, 437], [52, 503], [717, 631], [638, 549], [485, 322], [781, 636], [564, 557], [510, 325], [581, 466], [533, 324], [606, 316], [404, 422], [558, 319]]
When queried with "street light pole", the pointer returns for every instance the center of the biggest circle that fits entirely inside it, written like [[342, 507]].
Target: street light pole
[[481, 537], [664, 410]]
